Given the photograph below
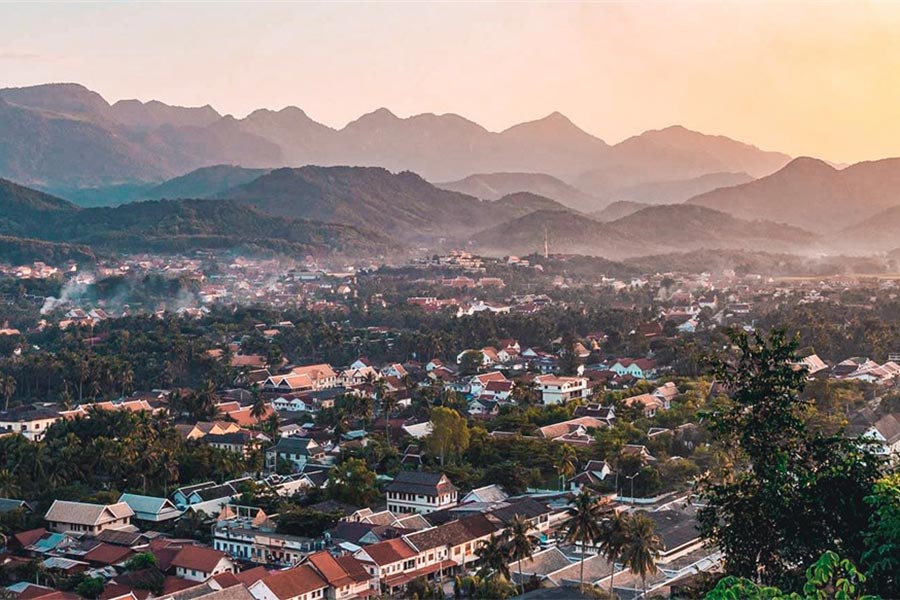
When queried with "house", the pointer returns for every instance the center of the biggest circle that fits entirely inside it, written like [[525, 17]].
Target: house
[[394, 370], [478, 383], [592, 474], [607, 414], [310, 377], [640, 368], [82, 517], [208, 497], [31, 423], [886, 431], [346, 575], [637, 450], [358, 375], [812, 364], [577, 431], [239, 442], [297, 450], [388, 563], [151, 508], [665, 394], [560, 390], [487, 494], [198, 563], [11, 504], [648, 403], [297, 583], [484, 408], [420, 492]]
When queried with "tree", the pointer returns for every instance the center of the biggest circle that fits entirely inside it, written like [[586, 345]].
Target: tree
[[450, 433], [90, 587], [8, 389], [470, 362], [829, 577], [352, 482], [142, 560], [882, 555], [492, 554], [518, 543], [259, 407], [565, 459], [585, 523], [612, 543], [641, 547], [787, 494]]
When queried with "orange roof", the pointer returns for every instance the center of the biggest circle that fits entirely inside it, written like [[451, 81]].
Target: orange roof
[[294, 582], [389, 551], [330, 569]]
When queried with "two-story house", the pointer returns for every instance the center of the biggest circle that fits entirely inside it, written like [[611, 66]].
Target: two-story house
[[419, 492], [296, 450], [560, 390]]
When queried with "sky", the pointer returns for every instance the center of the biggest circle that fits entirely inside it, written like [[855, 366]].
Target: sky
[[819, 79]]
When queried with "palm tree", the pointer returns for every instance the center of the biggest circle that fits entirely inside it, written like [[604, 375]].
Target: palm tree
[[8, 389], [518, 543], [258, 408], [565, 461], [493, 557], [585, 523], [612, 543], [388, 403], [641, 548]]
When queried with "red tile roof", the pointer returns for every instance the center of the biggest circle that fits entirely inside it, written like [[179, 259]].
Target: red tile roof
[[107, 554], [389, 551], [294, 582], [198, 558]]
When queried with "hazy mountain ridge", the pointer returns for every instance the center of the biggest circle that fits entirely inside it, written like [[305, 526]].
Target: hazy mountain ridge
[[133, 141], [651, 230], [29, 216], [204, 182], [812, 194], [493, 186], [617, 210]]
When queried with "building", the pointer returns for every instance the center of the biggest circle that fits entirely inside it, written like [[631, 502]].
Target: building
[[296, 583], [296, 450], [419, 492], [197, 563], [560, 390], [81, 517], [32, 423], [151, 508]]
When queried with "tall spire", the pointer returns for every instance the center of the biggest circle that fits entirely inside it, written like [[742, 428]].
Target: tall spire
[[546, 244]]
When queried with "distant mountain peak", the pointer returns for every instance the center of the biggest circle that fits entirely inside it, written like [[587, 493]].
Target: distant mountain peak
[[808, 163]]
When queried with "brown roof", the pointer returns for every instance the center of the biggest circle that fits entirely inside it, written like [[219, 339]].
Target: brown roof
[[294, 582], [353, 567], [330, 569], [389, 551], [197, 558], [251, 576], [27, 538], [107, 554]]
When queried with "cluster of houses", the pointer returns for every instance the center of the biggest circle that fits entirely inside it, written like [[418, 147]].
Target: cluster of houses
[[427, 530]]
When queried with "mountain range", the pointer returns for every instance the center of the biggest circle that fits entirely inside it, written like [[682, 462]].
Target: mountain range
[[64, 137]]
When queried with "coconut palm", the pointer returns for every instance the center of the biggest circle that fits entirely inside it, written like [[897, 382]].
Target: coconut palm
[[641, 548], [565, 460], [585, 523], [493, 557], [259, 406], [612, 542], [518, 543], [8, 389]]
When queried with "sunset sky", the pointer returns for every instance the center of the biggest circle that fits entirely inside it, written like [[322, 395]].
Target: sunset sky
[[803, 78]]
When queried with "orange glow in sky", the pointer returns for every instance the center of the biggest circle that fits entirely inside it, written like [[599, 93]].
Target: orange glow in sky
[[803, 78]]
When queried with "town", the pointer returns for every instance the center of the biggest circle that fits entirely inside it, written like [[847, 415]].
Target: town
[[188, 427]]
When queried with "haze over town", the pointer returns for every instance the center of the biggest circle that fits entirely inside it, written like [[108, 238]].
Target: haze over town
[[449, 300]]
